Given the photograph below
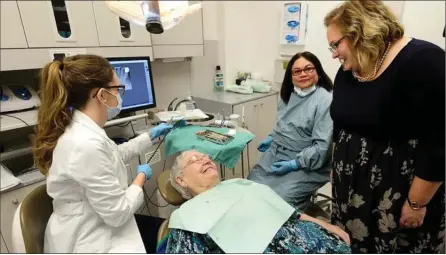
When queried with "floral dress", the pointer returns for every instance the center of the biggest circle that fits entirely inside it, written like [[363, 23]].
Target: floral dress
[[386, 132], [295, 236]]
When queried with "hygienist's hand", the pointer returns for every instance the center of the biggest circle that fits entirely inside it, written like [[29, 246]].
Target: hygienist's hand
[[145, 169], [283, 167], [160, 130], [265, 144]]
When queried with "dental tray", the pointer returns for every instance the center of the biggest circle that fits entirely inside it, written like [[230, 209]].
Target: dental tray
[[214, 137]]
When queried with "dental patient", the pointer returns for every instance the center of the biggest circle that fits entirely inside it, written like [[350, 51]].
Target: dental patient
[[239, 216]]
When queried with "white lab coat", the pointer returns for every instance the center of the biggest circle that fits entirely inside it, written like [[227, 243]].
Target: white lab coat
[[93, 205]]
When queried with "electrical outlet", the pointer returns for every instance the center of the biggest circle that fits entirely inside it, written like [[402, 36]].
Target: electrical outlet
[[155, 159]]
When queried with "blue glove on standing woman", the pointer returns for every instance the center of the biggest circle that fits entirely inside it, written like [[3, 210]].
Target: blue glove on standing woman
[[265, 144], [283, 167]]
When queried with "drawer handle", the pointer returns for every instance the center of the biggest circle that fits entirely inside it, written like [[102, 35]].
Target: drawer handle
[[15, 202], [261, 105]]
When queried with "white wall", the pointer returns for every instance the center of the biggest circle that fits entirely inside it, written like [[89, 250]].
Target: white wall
[[425, 20], [248, 32], [171, 80]]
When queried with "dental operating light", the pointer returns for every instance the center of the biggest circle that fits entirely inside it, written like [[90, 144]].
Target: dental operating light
[[156, 16]]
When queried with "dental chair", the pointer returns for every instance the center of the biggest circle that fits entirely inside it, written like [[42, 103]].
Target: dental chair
[[316, 207], [30, 220], [171, 196], [319, 205]]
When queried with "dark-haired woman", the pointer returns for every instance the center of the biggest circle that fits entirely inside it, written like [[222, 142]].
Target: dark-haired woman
[[297, 153]]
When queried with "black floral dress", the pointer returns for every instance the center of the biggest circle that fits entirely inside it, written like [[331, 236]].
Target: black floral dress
[[386, 132]]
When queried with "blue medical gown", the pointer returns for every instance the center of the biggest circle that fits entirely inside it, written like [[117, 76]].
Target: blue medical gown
[[303, 132]]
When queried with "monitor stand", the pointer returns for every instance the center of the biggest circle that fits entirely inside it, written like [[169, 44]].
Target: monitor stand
[[125, 115]]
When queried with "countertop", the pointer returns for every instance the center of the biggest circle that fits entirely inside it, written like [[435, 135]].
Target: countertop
[[233, 98], [26, 180]]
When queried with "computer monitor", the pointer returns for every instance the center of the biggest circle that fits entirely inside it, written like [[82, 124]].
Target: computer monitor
[[135, 74]]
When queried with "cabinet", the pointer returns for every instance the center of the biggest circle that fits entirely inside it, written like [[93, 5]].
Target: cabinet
[[12, 34], [183, 40], [9, 202], [113, 31], [189, 31], [75, 26], [260, 119], [3, 248]]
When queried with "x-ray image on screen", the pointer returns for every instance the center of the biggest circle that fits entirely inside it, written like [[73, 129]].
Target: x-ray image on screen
[[124, 77], [135, 74]]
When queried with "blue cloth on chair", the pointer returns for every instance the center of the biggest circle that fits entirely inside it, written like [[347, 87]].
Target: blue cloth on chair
[[184, 138]]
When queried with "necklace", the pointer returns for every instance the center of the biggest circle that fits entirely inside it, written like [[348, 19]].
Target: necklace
[[378, 65]]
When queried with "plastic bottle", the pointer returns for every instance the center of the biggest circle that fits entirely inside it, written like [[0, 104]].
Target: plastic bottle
[[190, 105], [218, 80]]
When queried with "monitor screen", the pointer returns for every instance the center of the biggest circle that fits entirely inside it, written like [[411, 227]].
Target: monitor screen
[[136, 75]]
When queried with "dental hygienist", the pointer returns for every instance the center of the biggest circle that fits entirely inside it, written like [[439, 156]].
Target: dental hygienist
[[297, 154], [86, 175]]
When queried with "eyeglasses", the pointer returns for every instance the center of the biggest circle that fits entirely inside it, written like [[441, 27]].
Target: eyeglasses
[[307, 70], [121, 89], [333, 47], [197, 160]]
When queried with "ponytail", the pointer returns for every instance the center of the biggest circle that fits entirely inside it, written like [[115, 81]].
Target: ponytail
[[53, 115], [65, 84]]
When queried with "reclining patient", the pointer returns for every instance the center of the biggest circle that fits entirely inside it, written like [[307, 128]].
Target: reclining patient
[[239, 216]]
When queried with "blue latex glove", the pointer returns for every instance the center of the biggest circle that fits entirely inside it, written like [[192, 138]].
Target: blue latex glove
[[283, 167], [146, 169], [265, 144], [160, 130]]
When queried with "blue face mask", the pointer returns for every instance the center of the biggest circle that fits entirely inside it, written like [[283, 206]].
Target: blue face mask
[[114, 111]]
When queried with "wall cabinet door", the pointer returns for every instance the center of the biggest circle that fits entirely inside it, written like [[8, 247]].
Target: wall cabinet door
[[3, 248], [114, 31], [12, 34], [59, 23], [188, 32], [250, 112], [267, 112], [260, 118]]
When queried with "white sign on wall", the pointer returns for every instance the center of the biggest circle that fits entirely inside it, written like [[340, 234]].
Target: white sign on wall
[[294, 23]]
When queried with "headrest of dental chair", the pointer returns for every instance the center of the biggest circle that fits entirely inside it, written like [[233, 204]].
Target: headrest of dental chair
[[169, 193]]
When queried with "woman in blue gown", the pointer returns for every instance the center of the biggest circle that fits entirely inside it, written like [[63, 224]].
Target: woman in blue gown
[[297, 153]]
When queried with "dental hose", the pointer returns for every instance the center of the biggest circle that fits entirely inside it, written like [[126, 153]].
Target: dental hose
[[146, 197], [161, 142]]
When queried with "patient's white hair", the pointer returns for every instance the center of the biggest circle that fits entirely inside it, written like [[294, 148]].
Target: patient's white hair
[[177, 171]]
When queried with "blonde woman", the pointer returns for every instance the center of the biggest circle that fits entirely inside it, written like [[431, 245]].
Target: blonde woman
[[388, 112]]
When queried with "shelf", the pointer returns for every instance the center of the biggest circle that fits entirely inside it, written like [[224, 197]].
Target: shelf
[[8, 122]]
